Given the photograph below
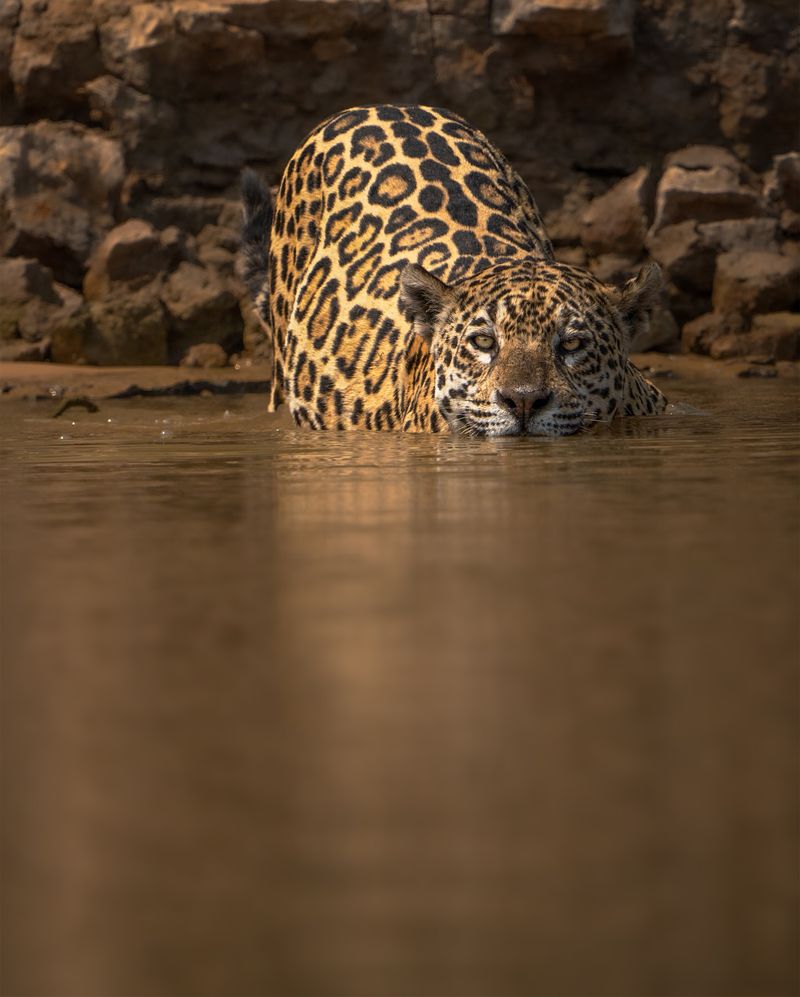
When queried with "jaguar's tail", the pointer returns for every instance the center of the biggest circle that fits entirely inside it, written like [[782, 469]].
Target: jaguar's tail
[[256, 225]]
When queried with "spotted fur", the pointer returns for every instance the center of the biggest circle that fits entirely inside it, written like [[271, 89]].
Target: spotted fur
[[410, 285]]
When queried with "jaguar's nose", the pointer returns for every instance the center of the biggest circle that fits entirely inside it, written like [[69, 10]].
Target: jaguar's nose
[[523, 402]]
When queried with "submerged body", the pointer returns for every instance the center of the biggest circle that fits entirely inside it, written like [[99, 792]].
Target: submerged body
[[411, 285]]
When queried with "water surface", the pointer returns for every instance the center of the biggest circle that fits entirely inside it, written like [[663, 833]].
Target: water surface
[[346, 714]]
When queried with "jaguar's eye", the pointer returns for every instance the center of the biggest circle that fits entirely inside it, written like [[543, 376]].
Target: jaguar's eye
[[483, 341], [573, 345]]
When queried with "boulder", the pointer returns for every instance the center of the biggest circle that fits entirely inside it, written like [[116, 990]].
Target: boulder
[[617, 221], [740, 233], [595, 19], [728, 346], [698, 335], [574, 255], [19, 350], [145, 126], [127, 329], [749, 282], [38, 317], [685, 256], [782, 185], [28, 300], [187, 212], [201, 308], [704, 157], [611, 268], [776, 335], [205, 355], [661, 332], [131, 253], [70, 328], [217, 246], [772, 337], [565, 222], [174, 49], [790, 227], [55, 53], [758, 84], [59, 189], [704, 184], [9, 15]]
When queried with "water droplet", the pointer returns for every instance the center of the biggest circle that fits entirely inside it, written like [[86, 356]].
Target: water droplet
[[64, 436]]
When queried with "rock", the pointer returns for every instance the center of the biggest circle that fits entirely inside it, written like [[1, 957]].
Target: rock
[[574, 255], [748, 282], [704, 184], [727, 346], [698, 335], [757, 371], [217, 246], [703, 157], [180, 94], [775, 335], [685, 257], [9, 15], [55, 52], [772, 337], [131, 253], [740, 233], [186, 212], [127, 328], [790, 225], [595, 19], [661, 332], [28, 300], [758, 84], [59, 188], [169, 49], [612, 268], [145, 126], [70, 327], [464, 8], [39, 319], [201, 308], [21, 280], [617, 221], [19, 350], [564, 223], [205, 355], [179, 246], [782, 185]]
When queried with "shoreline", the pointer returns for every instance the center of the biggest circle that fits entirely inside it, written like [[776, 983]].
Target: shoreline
[[52, 381]]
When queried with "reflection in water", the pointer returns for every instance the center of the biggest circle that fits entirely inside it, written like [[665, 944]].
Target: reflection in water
[[328, 714]]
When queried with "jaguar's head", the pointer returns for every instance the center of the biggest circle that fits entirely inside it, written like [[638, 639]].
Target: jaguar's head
[[528, 348]]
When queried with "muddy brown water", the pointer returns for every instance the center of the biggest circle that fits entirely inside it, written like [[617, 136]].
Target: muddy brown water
[[346, 714]]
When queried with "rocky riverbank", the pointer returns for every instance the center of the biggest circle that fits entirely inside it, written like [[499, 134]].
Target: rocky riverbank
[[643, 132], [57, 383]]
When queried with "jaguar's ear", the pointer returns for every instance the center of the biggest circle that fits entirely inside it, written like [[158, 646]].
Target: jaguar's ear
[[635, 300], [423, 298]]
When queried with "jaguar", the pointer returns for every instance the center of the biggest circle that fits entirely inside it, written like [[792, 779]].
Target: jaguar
[[406, 280]]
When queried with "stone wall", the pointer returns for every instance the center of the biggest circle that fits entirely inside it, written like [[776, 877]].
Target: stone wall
[[641, 128]]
